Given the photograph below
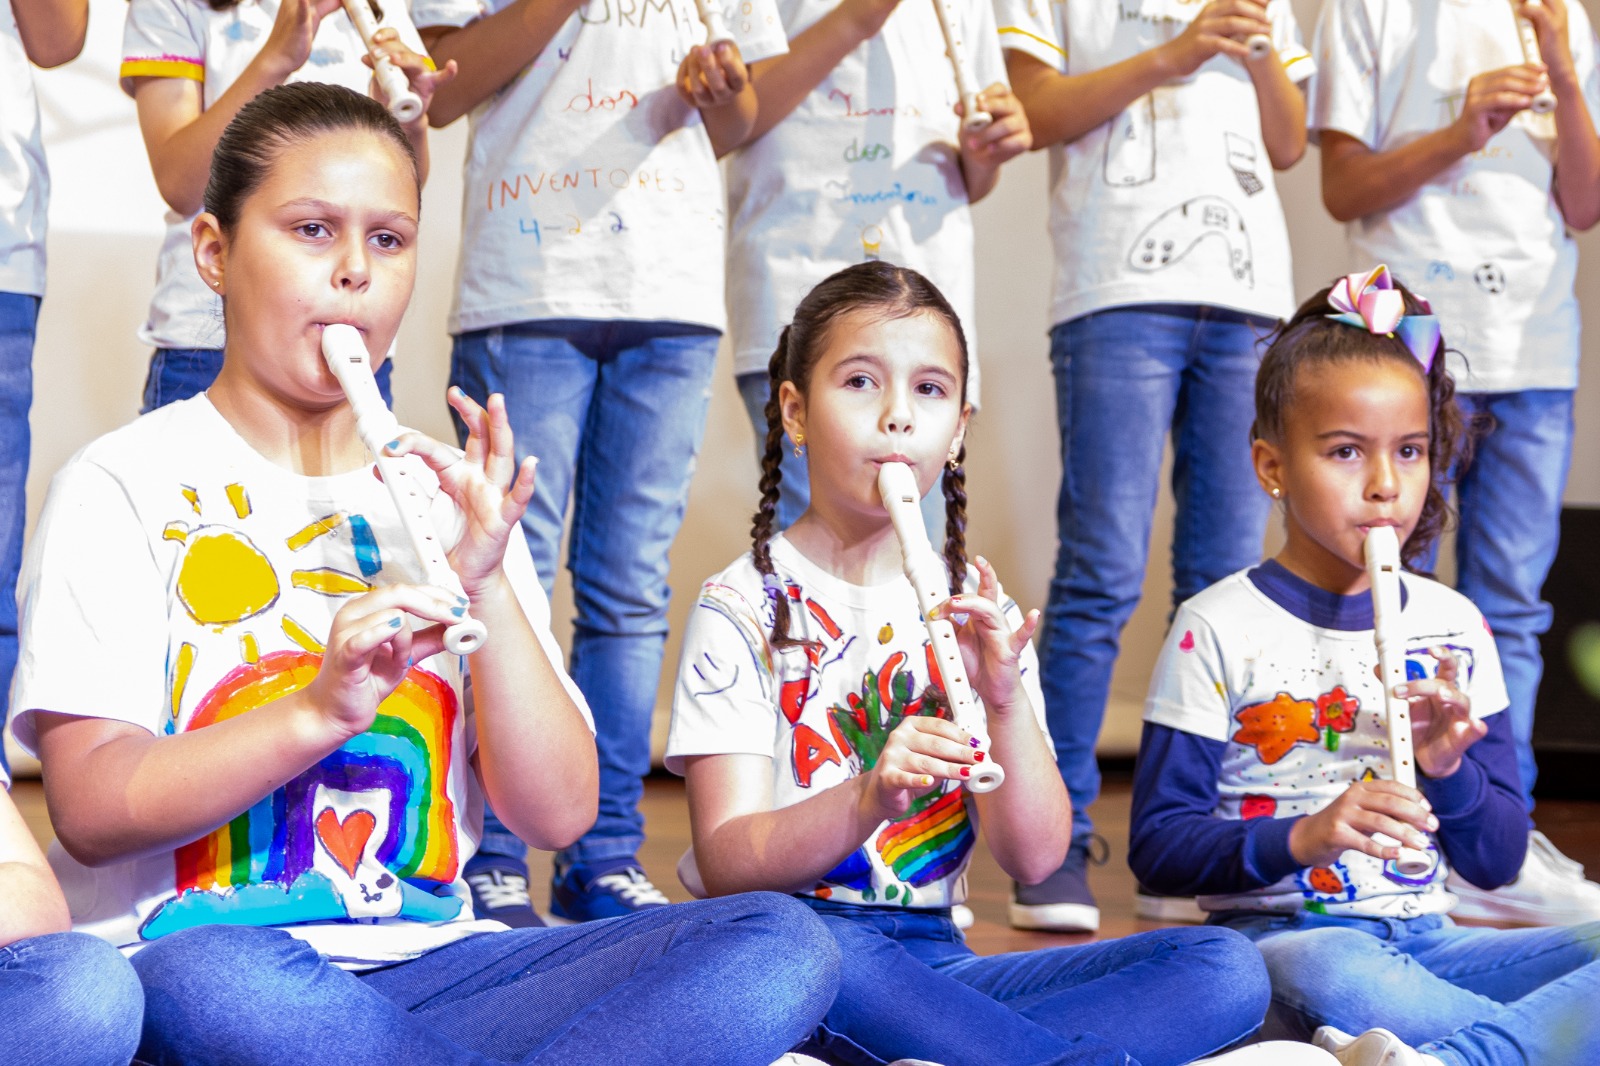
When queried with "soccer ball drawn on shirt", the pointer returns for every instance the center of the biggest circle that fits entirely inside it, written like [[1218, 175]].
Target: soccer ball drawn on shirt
[[367, 831]]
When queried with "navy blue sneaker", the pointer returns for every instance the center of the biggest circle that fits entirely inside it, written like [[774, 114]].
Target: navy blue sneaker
[[500, 891], [1062, 902], [583, 893]]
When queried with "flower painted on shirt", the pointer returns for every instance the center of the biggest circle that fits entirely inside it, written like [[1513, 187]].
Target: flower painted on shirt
[[1336, 713], [1274, 727]]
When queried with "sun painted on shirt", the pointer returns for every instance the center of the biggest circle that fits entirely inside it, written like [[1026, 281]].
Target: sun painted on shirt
[[933, 838], [1274, 727], [367, 832]]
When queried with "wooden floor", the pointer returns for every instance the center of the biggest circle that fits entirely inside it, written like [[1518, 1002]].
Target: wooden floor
[[1573, 826]]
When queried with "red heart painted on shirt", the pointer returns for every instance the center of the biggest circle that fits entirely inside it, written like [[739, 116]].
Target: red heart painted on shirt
[[346, 840], [1187, 643]]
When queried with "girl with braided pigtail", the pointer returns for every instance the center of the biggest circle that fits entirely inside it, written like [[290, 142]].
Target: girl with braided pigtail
[[821, 756]]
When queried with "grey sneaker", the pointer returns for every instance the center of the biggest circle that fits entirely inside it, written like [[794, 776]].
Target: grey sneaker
[[1062, 902], [1551, 889]]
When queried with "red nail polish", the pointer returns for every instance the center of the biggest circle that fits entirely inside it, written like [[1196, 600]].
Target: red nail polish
[[977, 756], [966, 771]]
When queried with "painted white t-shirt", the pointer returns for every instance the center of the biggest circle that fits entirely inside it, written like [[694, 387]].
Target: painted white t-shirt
[[24, 180], [1483, 240], [178, 579], [1301, 710], [823, 714], [591, 187], [866, 167], [187, 39], [1172, 201]]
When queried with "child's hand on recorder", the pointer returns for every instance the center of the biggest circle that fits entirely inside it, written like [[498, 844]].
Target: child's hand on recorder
[[371, 644], [1007, 137], [712, 75], [921, 752], [288, 44], [420, 74], [489, 487], [1364, 809], [1221, 28], [1442, 726], [990, 648]]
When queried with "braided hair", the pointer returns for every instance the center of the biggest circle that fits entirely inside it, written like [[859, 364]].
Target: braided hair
[[887, 290], [1311, 339]]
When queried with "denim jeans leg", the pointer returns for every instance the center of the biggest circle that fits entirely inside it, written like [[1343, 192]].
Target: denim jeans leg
[[1221, 509], [1472, 997], [548, 382], [737, 980], [892, 1004], [19, 316], [635, 461], [179, 373], [1510, 500], [68, 997], [1165, 997], [1117, 375], [794, 491]]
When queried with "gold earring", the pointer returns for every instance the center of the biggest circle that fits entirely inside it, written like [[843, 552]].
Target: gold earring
[[799, 445], [953, 463]]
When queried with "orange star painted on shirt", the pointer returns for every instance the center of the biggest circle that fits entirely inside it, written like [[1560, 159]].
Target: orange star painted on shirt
[[1274, 727]]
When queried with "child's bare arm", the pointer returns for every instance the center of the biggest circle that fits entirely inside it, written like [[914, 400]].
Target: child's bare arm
[[52, 31], [117, 791], [783, 82], [1577, 180], [1063, 107], [491, 52], [1283, 110], [713, 78], [1358, 181], [33, 902]]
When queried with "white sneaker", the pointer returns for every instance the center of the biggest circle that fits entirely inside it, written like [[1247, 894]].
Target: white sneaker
[[1273, 1053], [1154, 908], [1375, 1047], [962, 915], [1550, 890]]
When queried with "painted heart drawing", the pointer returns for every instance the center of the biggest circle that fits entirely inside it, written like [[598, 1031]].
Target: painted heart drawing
[[345, 840]]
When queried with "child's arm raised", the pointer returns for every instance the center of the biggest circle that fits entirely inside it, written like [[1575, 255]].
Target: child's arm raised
[[33, 901], [1283, 110], [1063, 107], [783, 82], [1577, 179], [1358, 181], [52, 31], [536, 754], [492, 51], [181, 134], [1027, 821], [713, 78]]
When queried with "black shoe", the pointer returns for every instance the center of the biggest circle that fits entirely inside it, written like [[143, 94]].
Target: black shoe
[[1062, 902]]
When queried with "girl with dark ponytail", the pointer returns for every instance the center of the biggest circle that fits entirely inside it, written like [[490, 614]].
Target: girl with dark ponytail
[[822, 758]]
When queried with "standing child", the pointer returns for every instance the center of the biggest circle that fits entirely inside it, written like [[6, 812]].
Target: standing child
[[1265, 779], [1432, 158], [1172, 261], [590, 294], [269, 781], [190, 65], [822, 759], [859, 152], [49, 33]]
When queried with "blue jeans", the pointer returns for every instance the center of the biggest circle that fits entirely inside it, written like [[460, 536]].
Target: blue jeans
[[19, 316], [68, 998], [794, 491], [1123, 377], [1471, 997], [179, 373], [909, 987], [1510, 501], [615, 411], [734, 980]]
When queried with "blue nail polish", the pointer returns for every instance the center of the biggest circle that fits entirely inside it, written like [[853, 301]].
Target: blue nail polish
[[393, 444], [458, 611], [394, 623]]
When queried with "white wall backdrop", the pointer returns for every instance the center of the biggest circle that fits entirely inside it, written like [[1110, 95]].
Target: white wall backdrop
[[105, 230]]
